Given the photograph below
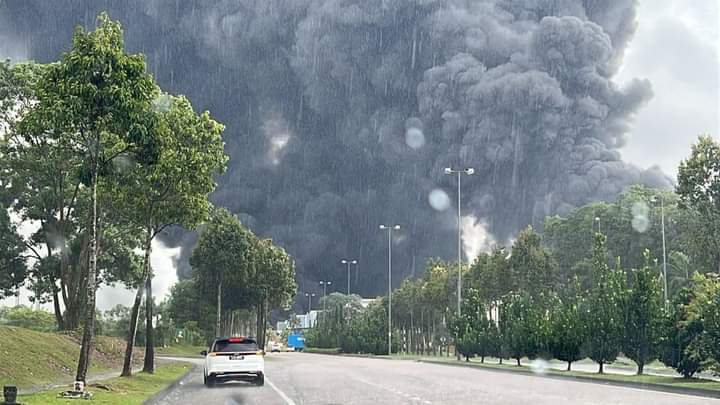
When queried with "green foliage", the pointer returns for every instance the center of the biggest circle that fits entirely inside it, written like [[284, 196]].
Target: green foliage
[[250, 272], [532, 267], [602, 312], [28, 318], [12, 263], [476, 334], [523, 327], [567, 332], [643, 315], [333, 323], [173, 191], [225, 253], [681, 345], [633, 224], [699, 188], [705, 308], [189, 310]]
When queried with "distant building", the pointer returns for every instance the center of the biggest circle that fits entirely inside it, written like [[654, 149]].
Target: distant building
[[308, 320], [365, 302]]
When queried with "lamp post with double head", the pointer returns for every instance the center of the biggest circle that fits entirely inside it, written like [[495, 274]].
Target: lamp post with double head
[[389, 229], [468, 171], [324, 285], [348, 262]]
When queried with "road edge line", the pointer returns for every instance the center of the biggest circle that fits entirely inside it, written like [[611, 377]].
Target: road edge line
[[284, 396]]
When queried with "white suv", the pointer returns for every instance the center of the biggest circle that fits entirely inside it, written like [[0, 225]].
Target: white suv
[[235, 358]]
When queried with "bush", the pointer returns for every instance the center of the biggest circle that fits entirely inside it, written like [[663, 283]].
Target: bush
[[25, 317]]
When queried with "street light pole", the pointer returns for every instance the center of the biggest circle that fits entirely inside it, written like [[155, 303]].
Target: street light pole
[[390, 229], [597, 219], [468, 171], [662, 227], [309, 295], [324, 284], [348, 262]]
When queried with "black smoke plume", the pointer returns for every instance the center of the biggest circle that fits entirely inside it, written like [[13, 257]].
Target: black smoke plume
[[342, 114]]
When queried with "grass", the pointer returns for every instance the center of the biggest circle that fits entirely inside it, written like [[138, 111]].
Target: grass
[[180, 350], [695, 383], [321, 350], [120, 390], [30, 358]]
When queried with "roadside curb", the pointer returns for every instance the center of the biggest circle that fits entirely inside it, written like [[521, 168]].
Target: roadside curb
[[628, 384], [165, 391], [361, 356]]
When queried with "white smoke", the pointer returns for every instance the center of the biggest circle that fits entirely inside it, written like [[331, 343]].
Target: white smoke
[[475, 237], [165, 272], [277, 132]]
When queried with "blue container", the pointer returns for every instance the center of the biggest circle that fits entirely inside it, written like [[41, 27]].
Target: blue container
[[296, 341]]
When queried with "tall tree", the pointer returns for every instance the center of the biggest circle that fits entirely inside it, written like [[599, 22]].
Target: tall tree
[[602, 315], [274, 281], [532, 267], [41, 184], [699, 188], [682, 346], [95, 103], [224, 260], [643, 315], [521, 326], [174, 191], [705, 308], [633, 224], [567, 334]]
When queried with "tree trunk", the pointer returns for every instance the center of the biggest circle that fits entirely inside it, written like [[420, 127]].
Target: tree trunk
[[482, 359], [641, 367], [258, 323], [518, 361], [219, 306], [132, 332], [569, 363], [58, 312], [500, 361], [600, 370], [149, 363], [89, 327]]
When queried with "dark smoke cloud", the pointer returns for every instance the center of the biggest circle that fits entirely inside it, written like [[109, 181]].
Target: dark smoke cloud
[[341, 115]]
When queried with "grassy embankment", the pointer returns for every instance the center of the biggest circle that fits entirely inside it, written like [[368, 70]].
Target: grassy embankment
[[120, 390], [30, 359]]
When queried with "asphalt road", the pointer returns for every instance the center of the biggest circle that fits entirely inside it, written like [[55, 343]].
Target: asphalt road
[[301, 378]]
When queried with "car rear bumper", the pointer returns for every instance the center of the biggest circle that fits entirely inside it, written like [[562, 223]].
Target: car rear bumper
[[235, 375]]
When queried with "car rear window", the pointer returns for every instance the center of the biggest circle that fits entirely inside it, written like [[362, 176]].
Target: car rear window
[[235, 345]]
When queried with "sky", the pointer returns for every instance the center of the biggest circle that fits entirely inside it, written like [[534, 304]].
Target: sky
[[676, 46]]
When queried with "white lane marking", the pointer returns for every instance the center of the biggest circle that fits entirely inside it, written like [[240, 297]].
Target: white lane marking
[[285, 398]]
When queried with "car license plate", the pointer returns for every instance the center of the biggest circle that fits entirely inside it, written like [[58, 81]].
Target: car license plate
[[236, 357]]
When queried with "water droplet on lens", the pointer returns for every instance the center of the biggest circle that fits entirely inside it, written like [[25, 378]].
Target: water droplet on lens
[[439, 199]]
